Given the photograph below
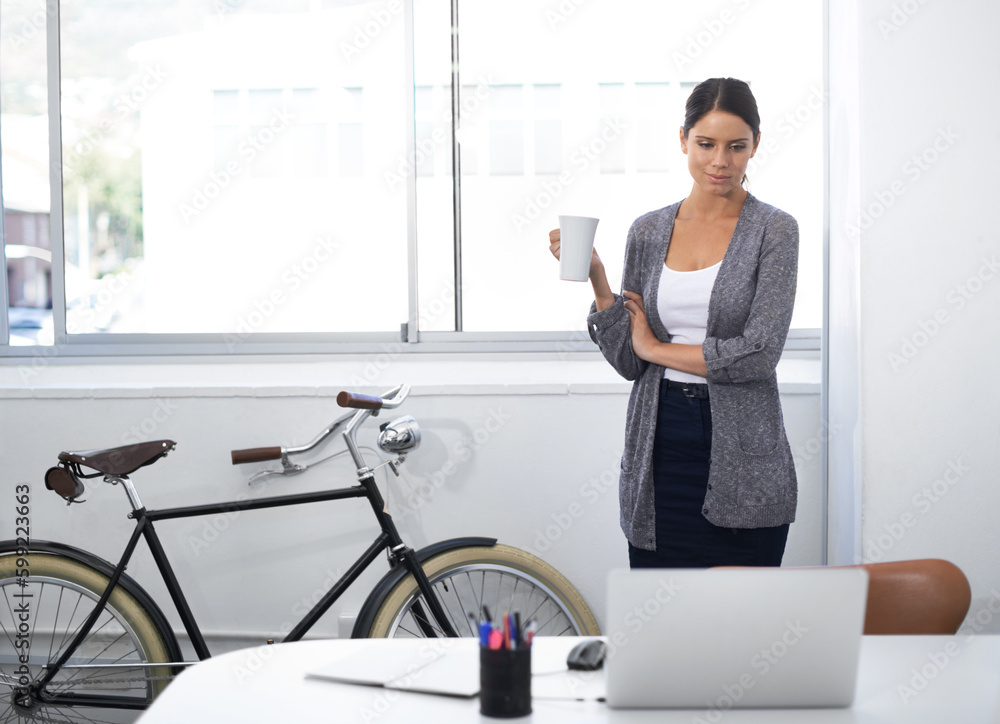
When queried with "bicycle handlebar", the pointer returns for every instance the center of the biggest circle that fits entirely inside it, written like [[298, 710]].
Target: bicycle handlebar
[[359, 401], [256, 455], [386, 401], [365, 404]]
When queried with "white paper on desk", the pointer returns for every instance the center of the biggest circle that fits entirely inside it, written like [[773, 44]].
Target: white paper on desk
[[452, 673], [455, 673]]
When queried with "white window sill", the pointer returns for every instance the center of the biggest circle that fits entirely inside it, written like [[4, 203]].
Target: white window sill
[[798, 373]]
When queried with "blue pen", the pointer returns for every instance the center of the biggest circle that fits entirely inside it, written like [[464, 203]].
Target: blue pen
[[485, 627]]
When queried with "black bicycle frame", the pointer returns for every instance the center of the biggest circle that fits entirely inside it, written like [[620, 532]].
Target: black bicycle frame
[[388, 539]]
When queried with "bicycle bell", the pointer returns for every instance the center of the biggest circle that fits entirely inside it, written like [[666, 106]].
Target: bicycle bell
[[400, 435]]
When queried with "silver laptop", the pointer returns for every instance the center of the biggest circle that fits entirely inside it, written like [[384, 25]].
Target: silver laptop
[[720, 639]]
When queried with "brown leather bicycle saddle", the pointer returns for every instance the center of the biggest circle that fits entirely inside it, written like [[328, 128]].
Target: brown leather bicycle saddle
[[120, 460]]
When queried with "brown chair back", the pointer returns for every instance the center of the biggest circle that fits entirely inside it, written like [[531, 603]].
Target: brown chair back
[[927, 596]]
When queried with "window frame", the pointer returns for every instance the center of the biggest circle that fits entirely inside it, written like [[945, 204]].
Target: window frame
[[409, 340]]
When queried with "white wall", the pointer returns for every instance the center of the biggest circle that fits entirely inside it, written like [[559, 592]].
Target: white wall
[[915, 287], [526, 451]]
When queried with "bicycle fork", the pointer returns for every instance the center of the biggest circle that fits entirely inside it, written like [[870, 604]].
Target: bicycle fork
[[400, 553]]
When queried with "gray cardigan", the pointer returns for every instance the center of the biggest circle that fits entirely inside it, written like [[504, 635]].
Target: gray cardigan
[[751, 481]]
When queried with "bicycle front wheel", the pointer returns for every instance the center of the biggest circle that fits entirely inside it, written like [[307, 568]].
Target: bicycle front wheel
[[501, 578], [41, 613]]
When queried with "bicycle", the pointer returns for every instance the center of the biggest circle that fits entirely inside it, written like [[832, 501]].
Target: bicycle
[[80, 634]]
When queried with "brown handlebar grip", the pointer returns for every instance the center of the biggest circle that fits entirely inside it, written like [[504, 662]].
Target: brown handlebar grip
[[256, 455], [359, 401]]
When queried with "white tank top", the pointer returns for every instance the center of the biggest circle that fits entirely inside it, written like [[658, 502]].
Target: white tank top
[[682, 303]]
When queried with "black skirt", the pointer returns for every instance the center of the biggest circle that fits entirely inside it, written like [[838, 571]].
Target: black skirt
[[684, 538]]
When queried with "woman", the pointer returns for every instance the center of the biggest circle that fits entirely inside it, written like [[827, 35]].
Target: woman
[[708, 286]]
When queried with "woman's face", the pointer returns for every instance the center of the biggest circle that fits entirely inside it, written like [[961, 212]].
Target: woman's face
[[719, 147]]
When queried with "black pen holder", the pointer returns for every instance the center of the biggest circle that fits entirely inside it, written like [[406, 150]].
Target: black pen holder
[[505, 682]]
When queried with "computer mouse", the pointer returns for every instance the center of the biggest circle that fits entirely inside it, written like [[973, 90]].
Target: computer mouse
[[587, 655]]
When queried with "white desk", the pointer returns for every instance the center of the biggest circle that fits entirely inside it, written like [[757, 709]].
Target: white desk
[[912, 679]]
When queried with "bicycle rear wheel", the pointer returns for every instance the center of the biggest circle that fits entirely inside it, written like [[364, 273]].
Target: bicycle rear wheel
[[501, 578], [39, 616]]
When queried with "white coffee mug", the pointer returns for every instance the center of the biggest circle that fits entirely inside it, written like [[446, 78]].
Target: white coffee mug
[[576, 246]]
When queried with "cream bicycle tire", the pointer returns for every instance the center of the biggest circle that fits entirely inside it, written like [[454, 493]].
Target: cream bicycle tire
[[62, 593], [502, 577]]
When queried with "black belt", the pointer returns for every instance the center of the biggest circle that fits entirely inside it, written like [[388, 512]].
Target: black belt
[[689, 389]]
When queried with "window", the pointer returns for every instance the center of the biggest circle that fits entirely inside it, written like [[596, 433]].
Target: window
[[237, 173]]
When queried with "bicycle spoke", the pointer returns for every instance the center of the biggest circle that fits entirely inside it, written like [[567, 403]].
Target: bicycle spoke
[[461, 614], [447, 612], [414, 634], [52, 640], [70, 633], [95, 675], [439, 629], [118, 638], [542, 626], [419, 633], [422, 620], [477, 609], [10, 609], [34, 622], [454, 590], [510, 604], [527, 612], [82, 672], [536, 609]]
